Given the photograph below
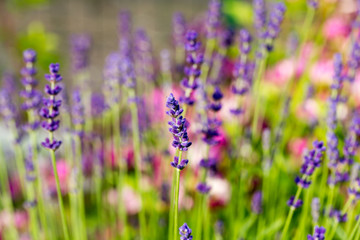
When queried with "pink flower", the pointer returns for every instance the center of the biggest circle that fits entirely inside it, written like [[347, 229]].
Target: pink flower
[[63, 171], [157, 106], [309, 111], [304, 58], [336, 27], [131, 200], [355, 89], [322, 72], [297, 146], [21, 219], [220, 191], [281, 72]]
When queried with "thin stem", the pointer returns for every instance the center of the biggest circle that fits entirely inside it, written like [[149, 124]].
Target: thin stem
[[137, 156], [58, 191], [256, 94], [122, 170], [343, 211], [171, 210], [38, 183], [7, 201], [176, 198], [81, 185], [290, 215], [355, 230]]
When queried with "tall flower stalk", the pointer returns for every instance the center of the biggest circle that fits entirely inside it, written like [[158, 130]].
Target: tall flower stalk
[[267, 38], [31, 104], [50, 111], [178, 128]]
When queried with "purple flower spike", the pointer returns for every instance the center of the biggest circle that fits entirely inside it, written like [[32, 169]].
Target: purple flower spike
[[185, 232], [315, 209], [179, 29], [319, 234], [313, 3], [273, 28], [51, 107], [30, 94], [259, 17], [213, 18], [203, 188], [293, 204], [178, 128], [256, 202], [80, 51], [77, 110]]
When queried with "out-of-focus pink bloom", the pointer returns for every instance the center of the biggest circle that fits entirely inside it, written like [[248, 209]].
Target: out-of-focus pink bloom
[[355, 89], [5, 219], [15, 187], [112, 197], [220, 191], [297, 146], [217, 150], [131, 200], [309, 111], [63, 170], [157, 106], [304, 58], [322, 72], [336, 27], [227, 68], [157, 163], [281, 72], [21, 219]]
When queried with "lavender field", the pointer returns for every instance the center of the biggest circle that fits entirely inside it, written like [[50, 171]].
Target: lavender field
[[179, 120]]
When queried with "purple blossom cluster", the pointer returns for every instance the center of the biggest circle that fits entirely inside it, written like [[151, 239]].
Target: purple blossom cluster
[[80, 51], [51, 107], [178, 128], [194, 60], [185, 232], [311, 161], [31, 95], [243, 70], [319, 234]]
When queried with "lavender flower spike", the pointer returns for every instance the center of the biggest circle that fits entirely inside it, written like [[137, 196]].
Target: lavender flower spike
[[192, 71], [319, 234], [51, 106], [185, 232], [273, 28], [30, 94], [178, 127], [259, 17]]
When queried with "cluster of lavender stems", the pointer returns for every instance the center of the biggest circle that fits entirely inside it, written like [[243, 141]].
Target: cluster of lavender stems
[[130, 73]]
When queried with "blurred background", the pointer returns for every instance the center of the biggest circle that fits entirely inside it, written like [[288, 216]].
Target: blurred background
[[47, 25]]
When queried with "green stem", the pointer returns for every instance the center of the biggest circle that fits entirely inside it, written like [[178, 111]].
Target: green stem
[[38, 183], [32, 211], [176, 198], [81, 198], [256, 94], [290, 215], [137, 156], [7, 201], [355, 229], [343, 211], [171, 210], [58, 190]]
